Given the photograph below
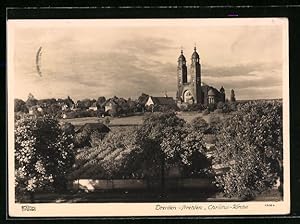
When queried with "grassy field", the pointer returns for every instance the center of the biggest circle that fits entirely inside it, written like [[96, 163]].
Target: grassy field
[[122, 122]]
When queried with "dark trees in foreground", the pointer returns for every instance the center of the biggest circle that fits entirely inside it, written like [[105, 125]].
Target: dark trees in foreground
[[250, 144], [43, 155]]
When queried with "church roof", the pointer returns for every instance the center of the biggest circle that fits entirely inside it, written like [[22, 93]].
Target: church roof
[[211, 92], [181, 57], [163, 100], [195, 54]]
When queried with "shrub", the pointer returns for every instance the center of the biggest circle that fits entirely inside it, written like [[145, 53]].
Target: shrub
[[220, 105], [232, 106], [213, 119], [162, 141], [20, 106], [106, 121], [165, 139], [211, 107], [199, 124], [195, 107], [83, 135], [218, 111], [250, 144], [81, 113], [116, 156], [205, 112], [43, 155]]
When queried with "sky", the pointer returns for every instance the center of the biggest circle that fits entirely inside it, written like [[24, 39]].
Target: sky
[[124, 58]]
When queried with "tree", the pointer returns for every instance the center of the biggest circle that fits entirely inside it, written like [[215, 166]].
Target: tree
[[43, 155], [220, 105], [84, 104], [132, 105], [142, 99], [165, 140], [199, 124], [31, 101], [232, 96], [250, 145], [115, 110], [100, 102], [20, 106]]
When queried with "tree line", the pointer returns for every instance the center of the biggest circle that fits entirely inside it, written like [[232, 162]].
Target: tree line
[[248, 144]]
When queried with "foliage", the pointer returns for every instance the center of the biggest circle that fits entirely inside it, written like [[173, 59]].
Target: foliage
[[101, 101], [250, 144], [211, 107], [20, 106], [220, 105], [205, 112], [81, 113], [167, 136], [43, 154], [192, 153], [162, 140], [232, 106], [111, 157], [142, 99], [89, 134], [199, 124], [218, 111], [115, 110], [214, 122], [31, 101], [85, 103], [194, 107]]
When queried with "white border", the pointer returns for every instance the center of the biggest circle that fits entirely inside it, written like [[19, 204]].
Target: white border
[[149, 209]]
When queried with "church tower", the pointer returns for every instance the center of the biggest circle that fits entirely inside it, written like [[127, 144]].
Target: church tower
[[181, 70], [195, 76], [189, 84]]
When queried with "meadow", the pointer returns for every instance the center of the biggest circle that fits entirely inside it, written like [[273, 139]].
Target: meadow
[[117, 123]]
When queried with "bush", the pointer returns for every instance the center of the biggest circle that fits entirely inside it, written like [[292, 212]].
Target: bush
[[116, 156], [211, 107], [205, 112], [20, 106], [218, 111], [213, 120], [220, 105], [81, 113], [83, 135], [43, 155], [166, 140], [232, 106], [250, 145], [195, 107], [162, 141], [199, 124]]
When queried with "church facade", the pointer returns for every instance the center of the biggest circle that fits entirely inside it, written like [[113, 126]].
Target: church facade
[[190, 88]]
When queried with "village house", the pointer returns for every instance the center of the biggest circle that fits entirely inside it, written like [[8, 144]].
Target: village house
[[109, 104], [153, 102], [93, 107]]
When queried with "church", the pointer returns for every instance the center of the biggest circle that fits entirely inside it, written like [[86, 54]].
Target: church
[[190, 88]]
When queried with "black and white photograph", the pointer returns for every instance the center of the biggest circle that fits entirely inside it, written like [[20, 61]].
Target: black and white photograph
[[148, 117]]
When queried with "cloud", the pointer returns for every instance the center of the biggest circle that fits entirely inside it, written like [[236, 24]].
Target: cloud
[[83, 61]]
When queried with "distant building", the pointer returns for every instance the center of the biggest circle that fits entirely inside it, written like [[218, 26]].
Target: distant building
[[93, 107], [190, 88], [35, 109], [109, 104], [161, 101]]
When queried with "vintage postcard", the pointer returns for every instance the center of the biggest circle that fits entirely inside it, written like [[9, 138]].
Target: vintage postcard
[[148, 117]]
